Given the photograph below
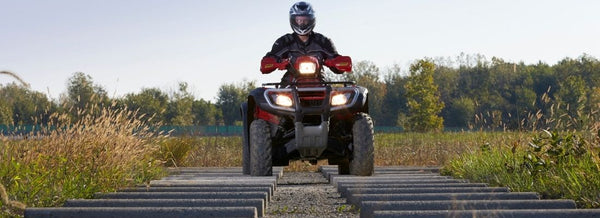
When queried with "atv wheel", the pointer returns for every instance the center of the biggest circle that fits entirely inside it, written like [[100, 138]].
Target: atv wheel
[[245, 154], [261, 158], [245, 136], [363, 156]]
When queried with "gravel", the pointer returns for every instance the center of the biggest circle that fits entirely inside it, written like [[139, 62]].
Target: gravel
[[307, 194]]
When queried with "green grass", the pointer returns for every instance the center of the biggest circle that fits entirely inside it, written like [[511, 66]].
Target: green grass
[[555, 165]]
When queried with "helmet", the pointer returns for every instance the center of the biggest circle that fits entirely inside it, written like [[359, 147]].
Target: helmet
[[302, 9]]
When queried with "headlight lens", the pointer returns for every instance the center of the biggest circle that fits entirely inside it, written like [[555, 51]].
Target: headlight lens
[[307, 68], [340, 99], [283, 100]]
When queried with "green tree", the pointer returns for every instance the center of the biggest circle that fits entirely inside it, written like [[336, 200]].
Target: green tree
[[27, 107], [424, 105], [180, 107], [229, 99], [206, 113], [447, 77], [461, 112], [366, 74], [545, 84], [594, 103], [524, 104], [394, 101], [5, 113], [585, 66], [572, 97], [83, 96], [150, 102]]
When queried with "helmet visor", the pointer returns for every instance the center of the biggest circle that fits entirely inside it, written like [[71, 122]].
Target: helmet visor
[[302, 20], [302, 24]]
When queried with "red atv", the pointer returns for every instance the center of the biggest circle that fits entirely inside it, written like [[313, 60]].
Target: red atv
[[308, 119]]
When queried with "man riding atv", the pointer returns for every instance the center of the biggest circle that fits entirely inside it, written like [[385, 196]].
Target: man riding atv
[[302, 40], [305, 117]]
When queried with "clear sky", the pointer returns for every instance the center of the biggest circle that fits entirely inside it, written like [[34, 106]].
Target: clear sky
[[127, 45]]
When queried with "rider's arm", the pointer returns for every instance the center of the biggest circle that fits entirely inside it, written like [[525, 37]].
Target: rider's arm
[[280, 47], [330, 51], [278, 51]]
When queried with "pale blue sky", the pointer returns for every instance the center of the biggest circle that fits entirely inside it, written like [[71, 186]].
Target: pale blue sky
[[126, 45]]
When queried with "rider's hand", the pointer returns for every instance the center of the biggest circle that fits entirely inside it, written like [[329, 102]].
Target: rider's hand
[[268, 65], [341, 63]]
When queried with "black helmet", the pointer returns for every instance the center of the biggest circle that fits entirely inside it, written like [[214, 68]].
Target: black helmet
[[302, 9]]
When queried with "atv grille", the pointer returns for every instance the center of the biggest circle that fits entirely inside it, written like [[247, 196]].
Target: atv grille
[[311, 103], [311, 98]]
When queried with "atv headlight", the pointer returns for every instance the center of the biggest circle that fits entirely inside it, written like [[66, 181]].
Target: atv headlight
[[283, 100], [307, 68], [340, 99]]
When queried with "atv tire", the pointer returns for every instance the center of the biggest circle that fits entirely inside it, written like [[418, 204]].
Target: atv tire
[[261, 158], [363, 156], [245, 136], [245, 154]]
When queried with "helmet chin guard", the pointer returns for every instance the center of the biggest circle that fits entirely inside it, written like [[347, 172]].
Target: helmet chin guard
[[302, 9]]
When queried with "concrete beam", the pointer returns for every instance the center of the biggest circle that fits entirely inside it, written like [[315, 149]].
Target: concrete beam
[[351, 191], [368, 207], [355, 199], [184, 195], [199, 189], [536, 213], [258, 203], [141, 212]]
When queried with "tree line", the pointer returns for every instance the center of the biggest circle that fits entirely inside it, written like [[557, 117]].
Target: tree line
[[464, 92]]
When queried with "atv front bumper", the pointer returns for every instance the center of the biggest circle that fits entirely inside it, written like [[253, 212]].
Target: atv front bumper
[[311, 139]]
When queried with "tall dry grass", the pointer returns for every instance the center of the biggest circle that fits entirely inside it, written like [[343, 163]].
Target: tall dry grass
[[433, 149], [15, 76], [209, 151], [418, 149], [75, 159]]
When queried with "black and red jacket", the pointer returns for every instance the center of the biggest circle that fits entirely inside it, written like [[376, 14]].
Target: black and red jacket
[[290, 46]]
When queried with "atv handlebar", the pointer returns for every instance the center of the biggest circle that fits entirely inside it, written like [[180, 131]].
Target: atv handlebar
[[341, 63], [345, 83], [269, 64]]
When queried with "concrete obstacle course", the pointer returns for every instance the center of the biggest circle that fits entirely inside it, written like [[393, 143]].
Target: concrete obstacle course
[[422, 192], [187, 192], [390, 192]]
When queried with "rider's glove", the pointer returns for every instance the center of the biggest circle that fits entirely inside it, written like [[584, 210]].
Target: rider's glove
[[341, 63], [268, 65]]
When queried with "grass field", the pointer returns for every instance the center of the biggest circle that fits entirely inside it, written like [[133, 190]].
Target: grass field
[[93, 155], [420, 149]]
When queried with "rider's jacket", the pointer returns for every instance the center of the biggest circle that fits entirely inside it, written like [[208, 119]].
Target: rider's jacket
[[289, 46]]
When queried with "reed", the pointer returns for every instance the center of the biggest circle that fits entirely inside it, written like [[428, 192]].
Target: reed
[[75, 159], [15, 76]]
